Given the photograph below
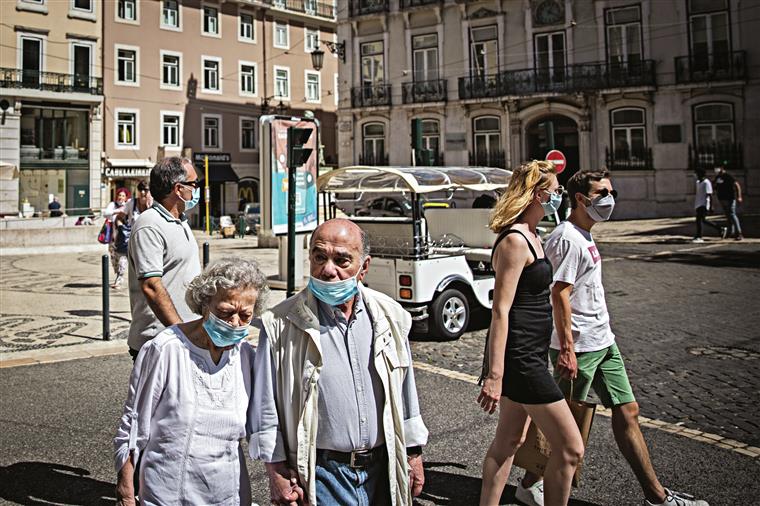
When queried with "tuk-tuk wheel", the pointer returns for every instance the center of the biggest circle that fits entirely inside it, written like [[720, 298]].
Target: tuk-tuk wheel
[[449, 314]]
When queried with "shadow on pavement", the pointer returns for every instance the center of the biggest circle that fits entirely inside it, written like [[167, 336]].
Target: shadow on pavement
[[714, 258], [750, 227], [480, 319], [457, 489], [45, 483]]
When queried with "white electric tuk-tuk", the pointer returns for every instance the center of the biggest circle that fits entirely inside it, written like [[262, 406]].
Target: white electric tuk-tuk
[[434, 255]]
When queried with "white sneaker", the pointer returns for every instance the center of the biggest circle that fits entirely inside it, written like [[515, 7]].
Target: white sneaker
[[531, 496], [673, 498], [697, 239]]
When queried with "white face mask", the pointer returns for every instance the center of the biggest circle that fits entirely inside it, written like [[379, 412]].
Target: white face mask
[[600, 209]]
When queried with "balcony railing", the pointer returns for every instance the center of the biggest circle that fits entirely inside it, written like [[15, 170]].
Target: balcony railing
[[362, 7], [373, 159], [493, 158], [728, 154], [561, 79], [50, 81], [310, 7], [711, 67], [418, 3], [624, 159], [371, 96], [424, 91]]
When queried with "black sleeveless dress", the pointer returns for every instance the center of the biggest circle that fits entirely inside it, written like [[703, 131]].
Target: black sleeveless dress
[[527, 379]]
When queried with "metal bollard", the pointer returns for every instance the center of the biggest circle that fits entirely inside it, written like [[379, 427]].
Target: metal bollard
[[106, 299], [206, 254]]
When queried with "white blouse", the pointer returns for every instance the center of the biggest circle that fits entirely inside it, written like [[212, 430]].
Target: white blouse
[[183, 418]]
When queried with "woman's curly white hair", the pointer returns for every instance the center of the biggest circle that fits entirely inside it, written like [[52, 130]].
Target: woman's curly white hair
[[227, 274]]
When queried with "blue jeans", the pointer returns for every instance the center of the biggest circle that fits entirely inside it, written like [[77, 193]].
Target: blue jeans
[[339, 484], [729, 209]]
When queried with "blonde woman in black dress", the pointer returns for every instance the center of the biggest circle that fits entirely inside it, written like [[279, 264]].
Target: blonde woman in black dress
[[516, 376]]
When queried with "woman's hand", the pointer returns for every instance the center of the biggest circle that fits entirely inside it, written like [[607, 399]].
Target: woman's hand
[[490, 394]]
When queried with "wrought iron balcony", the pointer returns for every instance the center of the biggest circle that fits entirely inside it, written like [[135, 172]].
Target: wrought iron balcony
[[310, 7], [50, 81], [492, 158], [405, 4], [371, 96], [482, 86], [728, 154], [711, 67], [362, 7], [424, 91], [373, 159], [624, 159]]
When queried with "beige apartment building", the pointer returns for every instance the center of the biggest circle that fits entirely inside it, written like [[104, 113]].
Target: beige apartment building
[[650, 89], [195, 76], [51, 97]]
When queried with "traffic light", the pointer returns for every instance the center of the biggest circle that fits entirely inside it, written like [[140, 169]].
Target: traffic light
[[297, 153]]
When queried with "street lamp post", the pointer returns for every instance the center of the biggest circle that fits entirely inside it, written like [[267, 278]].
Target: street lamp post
[[336, 48]]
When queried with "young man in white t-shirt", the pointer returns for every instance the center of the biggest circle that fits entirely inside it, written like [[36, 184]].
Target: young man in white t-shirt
[[583, 346], [702, 205]]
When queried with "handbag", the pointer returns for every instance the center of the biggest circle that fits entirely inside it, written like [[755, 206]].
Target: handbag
[[534, 453], [106, 232]]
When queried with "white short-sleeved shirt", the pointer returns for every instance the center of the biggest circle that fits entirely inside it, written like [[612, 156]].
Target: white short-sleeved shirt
[[576, 261], [704, 189]]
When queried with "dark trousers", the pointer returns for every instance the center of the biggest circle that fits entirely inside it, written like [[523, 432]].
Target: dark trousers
[[702, 218]]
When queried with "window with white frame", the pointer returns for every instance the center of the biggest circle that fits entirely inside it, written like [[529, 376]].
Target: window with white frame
[[126, 10], [126, 65], [210, 20], [425, 57], [713, 124], [211, 75], [170, 14], [550, 56], [431, 135], [32, 6], [247, 78], [310, 7], [170, 128], [126, 129], [83, 5], [486, 139], [282, 82], [171, 65], [313, 93], [31, 59], [311, 40], [211, 132], [629, 133], [247, 133], [246, 31], [484, 51], [372, 63], [624, 35], [373, 140], [281, 35]]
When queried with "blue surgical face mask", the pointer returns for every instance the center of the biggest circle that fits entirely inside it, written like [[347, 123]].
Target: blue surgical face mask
[[550, 207], [334, 293], [189, 204], [223, 334]]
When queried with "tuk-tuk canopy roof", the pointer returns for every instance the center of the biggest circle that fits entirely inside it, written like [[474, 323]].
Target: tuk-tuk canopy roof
[[412, 179]]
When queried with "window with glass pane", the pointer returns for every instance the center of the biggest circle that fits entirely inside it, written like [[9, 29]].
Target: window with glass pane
[[425, 57], [624, 35], [83, 5], [170, 131], [550, 55], [629, 133], [484, 51], [282, 83], [211, 132], [210, 20], [210, 75], [170, 70], [374, 143], [127, 9], [714, 124], [247, 79], [31, 61], [281, 35], [126, 128], [246, 26], [312, 87], [312, 40], [487, 137], [170, 14], [310, 6], [373, 63], [126, 64], [431, 135], [247, 134]]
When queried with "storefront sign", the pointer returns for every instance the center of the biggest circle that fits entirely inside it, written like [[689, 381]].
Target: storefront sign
[[114, 172], [199, 158]]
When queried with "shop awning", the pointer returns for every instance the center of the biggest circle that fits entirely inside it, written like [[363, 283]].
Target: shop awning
[[218, 173]]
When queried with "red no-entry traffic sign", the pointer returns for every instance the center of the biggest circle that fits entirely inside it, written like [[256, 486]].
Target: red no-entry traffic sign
[[558, 159]]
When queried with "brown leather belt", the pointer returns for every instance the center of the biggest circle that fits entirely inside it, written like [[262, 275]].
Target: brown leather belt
[[357, 459]]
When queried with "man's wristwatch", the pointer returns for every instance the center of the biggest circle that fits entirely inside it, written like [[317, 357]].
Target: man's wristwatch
[[413, 451]]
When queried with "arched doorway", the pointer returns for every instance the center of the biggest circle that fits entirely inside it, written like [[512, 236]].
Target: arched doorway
[[555, 132]]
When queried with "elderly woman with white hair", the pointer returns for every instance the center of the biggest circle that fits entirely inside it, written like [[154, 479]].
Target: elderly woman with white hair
[[189, 395]]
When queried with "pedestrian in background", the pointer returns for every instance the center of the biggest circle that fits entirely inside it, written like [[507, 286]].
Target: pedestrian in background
[[703, 205], [516, 376], [163, 253], [55, 208], [189, 397], [583, 348], [140, 203], [117, 212], [729, 193]]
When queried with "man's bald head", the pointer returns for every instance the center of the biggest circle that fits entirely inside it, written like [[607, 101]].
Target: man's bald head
[[341, 230]]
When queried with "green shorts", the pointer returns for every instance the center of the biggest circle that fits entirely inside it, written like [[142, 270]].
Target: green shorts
[[604, 370]]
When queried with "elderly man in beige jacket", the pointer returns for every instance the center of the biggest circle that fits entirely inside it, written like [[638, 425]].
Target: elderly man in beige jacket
[[335, 415]]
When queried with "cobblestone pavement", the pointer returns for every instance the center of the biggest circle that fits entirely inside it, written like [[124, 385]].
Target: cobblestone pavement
[[687, 324]]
